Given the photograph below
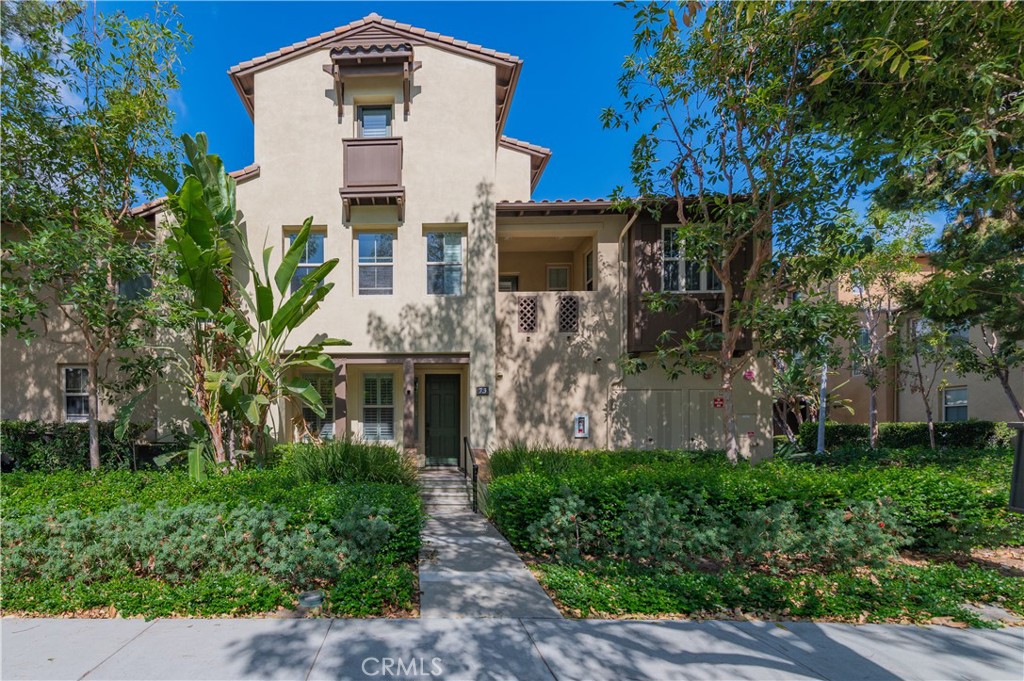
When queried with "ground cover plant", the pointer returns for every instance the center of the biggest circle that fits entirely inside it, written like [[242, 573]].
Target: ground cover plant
[[156, 543], [857, 535]]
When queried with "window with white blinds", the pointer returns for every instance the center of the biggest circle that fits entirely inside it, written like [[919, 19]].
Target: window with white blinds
[[321, 426], [379, 407], [444, 263], [312, 257], [376, 264], [375, 121]]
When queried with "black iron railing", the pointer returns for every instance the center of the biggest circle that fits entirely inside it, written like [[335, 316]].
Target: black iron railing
[[469, 467]]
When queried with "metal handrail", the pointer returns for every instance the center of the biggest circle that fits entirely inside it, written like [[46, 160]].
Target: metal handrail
[[464, 463]]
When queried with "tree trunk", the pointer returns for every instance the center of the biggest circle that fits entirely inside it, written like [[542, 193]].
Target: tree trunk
[[732, 448], [1004, 380], [94, 414], [822, 408], [873, 416], [931, 424]]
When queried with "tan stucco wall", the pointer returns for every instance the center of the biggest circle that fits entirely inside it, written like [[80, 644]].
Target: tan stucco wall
[[545, 378], [513, 175], [532, 268], [449, 174]]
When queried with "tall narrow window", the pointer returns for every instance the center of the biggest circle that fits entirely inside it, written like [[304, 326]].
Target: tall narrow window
[[588, 271], [954, 404], [376, 264], [76, 393], [321, 426], [374, 121], [444, 263], [558, 277], [139, 286], [680, 274], [379, 407], [312, 257]]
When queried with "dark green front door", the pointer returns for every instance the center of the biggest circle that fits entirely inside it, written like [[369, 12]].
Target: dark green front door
[[442, 419]]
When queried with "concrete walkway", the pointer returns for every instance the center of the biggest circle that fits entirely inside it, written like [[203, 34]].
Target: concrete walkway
[[467, 569], [527, 649]]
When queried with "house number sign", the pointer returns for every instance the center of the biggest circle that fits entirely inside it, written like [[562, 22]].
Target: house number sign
[[483, 390]]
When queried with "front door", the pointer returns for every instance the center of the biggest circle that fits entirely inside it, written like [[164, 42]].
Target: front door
[[442, 419]]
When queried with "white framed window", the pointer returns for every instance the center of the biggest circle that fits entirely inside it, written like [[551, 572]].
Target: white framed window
[[379, 407], [376, 263], [954, 404], [588, 271], [959, 332], [508, 283], [558, 277], [374, 121], [444, 263], [75, 381], [321, 426], [680, 274], [312, 257]]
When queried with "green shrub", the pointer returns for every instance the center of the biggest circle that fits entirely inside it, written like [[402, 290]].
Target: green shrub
[[564, 531], [40, 446], [938, 509], [896, 592], [977, 434], [369, 591], [348, 461], [179, 544]]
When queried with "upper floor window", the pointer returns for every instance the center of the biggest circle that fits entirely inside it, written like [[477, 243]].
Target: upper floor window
[[376, 264], [139, 286], [312, 257], [680, 274], [374, 121], [558, 277], [444, 263], [588, 271], [76, 393], [954, 404]]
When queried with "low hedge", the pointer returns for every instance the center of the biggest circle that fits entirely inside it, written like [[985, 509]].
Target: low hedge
[[42, 446], [94, 493], [980, 434], [938, 510], [156, 543]]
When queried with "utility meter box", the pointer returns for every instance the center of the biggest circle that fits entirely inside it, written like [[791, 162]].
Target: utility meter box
[[581, 426]]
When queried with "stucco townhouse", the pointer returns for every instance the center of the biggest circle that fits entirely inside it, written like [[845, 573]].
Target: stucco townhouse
[[477, 316]]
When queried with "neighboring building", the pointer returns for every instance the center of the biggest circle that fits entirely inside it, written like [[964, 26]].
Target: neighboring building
[[474, 312], [956, 397]]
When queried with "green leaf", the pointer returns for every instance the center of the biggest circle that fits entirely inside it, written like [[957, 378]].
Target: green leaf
[[915, 46], [124, 415], [264, 303], [291, 259], [821, 78], [903, 68]]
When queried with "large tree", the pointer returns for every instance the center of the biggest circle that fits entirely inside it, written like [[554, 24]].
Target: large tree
[[930, 97], [718, 93], [87, 131]]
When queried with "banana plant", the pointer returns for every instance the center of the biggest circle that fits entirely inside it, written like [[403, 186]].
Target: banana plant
[[237, 363], [269, 374]]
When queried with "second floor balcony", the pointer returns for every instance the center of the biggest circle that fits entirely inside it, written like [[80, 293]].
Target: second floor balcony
[[373, 173]]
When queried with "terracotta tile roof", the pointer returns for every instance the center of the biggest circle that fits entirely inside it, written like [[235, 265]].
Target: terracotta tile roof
[[526, 146], [556, 207], [369, 19], [248, 172]]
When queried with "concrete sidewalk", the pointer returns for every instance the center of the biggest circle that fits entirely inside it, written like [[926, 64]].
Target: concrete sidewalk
[[501, 649]]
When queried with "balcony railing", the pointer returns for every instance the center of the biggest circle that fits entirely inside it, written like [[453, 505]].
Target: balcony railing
[[373, 173]]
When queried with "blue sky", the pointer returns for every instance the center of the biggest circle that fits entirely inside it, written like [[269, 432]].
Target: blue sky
[[572, 54]]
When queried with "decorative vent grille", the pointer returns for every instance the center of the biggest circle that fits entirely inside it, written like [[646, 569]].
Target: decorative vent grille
[[568, 314], [527, 314]]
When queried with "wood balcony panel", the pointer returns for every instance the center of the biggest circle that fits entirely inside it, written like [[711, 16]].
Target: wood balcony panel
[[373, 173]]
